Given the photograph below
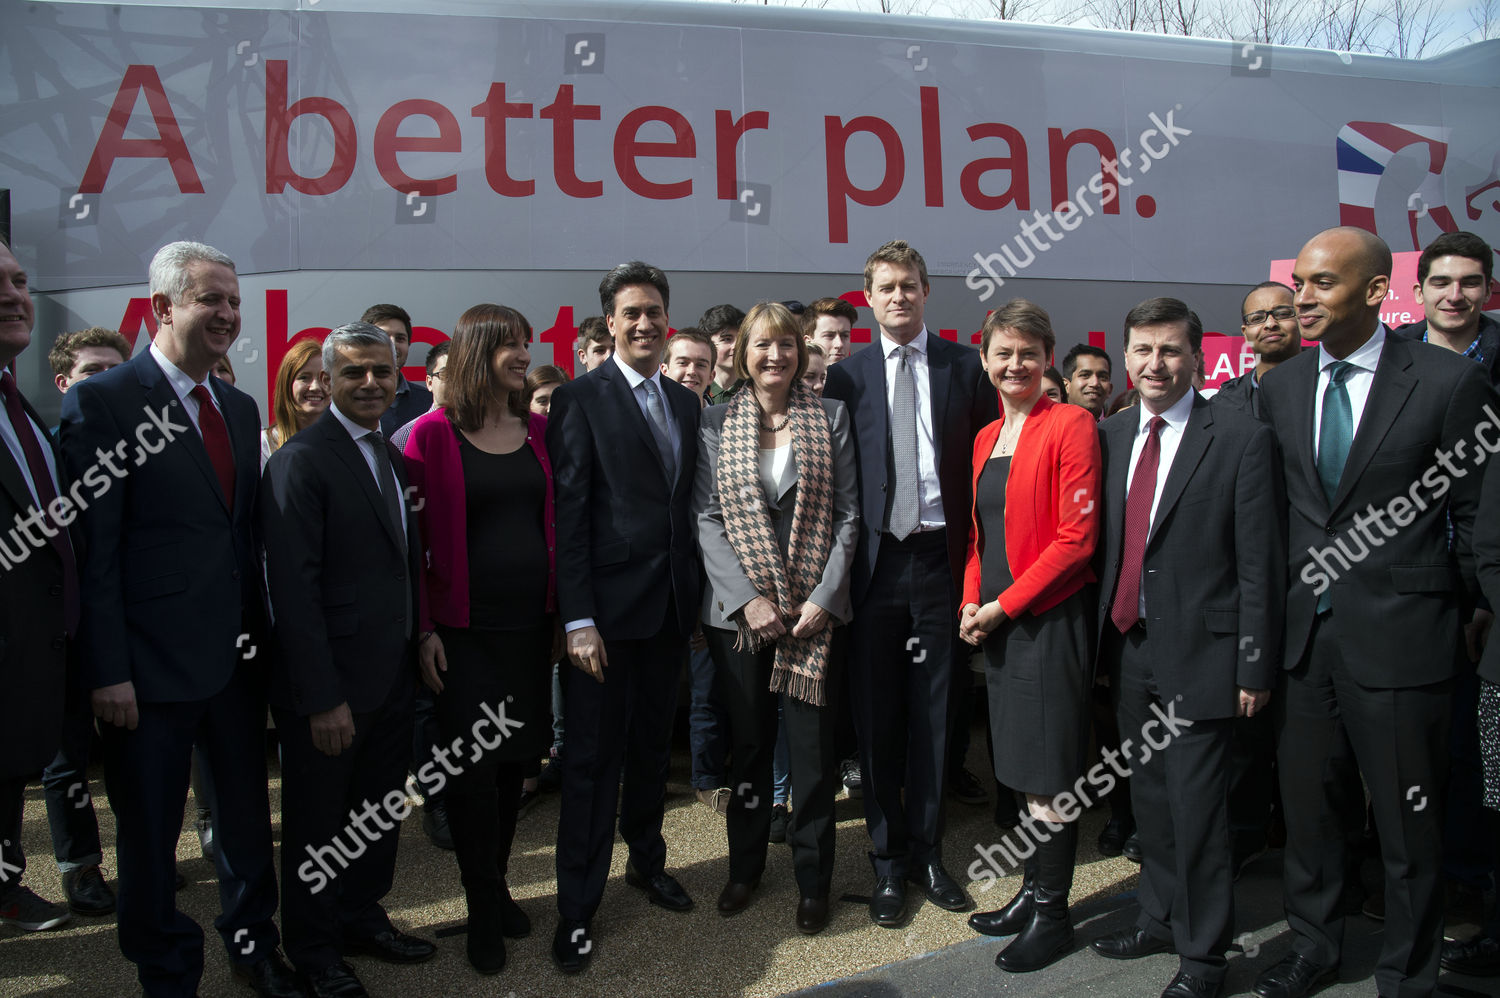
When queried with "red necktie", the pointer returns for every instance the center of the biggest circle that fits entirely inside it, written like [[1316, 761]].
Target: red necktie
[[46, 492], [1127, 606], [216, 442]]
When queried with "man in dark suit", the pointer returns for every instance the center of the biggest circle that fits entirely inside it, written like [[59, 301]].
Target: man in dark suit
[[1369, 426], [916, 401], [173, 617], [1191, 584], [342, 560], [38, 603], [624, 443], [1268, 324]]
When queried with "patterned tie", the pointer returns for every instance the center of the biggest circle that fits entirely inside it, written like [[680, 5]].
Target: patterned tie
[[46, 492], [216, 442], [1127, 606], [1334, 437], [390, 490], [659, 428], [905, 507]]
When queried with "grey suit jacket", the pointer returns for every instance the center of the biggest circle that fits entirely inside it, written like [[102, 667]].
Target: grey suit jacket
[[728, 588]]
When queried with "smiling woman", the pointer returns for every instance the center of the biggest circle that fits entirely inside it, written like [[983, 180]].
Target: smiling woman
[[301, 396]]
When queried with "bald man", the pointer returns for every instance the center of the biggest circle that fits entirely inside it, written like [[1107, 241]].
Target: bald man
[[1378, 441]]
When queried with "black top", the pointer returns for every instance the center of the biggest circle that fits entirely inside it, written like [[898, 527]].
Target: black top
[[504, 499], [989, 499]]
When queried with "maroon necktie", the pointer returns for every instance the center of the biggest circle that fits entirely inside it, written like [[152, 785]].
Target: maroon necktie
[[1127, 606], [46, 492], [216, 442]]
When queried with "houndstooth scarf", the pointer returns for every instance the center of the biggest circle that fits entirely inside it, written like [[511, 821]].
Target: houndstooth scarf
[[801, 663]]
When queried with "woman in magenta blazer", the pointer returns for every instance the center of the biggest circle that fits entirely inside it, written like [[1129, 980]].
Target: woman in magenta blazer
[[483, 489], [1037, 492]]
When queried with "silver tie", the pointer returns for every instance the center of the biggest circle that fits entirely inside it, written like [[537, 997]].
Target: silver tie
[[904, 502], [659, 429]]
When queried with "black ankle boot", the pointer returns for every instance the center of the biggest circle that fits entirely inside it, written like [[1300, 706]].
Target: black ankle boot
[[486, 943], [1048, 934], [1012, 918]]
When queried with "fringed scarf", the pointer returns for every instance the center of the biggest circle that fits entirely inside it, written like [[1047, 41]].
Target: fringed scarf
[[801, 663]]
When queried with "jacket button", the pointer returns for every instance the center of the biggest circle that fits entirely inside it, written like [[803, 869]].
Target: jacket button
[[58, 642], [400, 577], [235, 574], [1331, 532], [55, 591]]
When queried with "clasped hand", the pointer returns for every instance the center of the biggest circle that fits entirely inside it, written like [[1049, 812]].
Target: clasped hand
[[765, 621]]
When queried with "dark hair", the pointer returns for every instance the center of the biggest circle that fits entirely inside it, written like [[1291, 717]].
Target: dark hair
[[593, 330], [782, 323], [794, 306], [898, 253], [836, 307], [1070, 362], [1056, 376], [435, 353], [1024, 317], [1261, 287], [64, 353], [719, 318], [693, 334], [626, 274], [1465, 244], [1155, 311], [541, 377], [470, 374], [376, 314], [1123, 401]]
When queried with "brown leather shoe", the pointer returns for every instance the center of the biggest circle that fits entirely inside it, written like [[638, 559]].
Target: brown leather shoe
[[812, 915], [735, 897]]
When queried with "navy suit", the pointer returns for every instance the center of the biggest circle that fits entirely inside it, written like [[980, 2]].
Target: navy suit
[[904, 647], [627, 557], [172, 603]]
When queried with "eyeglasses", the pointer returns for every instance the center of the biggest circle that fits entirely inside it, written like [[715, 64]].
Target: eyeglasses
[[1282, 313]]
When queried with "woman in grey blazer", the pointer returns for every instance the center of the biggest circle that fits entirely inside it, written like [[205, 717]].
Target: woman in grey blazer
[[777, 509]]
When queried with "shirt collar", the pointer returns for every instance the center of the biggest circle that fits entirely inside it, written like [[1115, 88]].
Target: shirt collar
[[1365, 358], [1176, 416], [633, 377], [355, 430], [918, 345], [181, 382]]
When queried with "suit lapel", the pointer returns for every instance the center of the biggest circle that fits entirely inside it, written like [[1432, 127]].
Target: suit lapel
[[348, 452], [625, 399], [244, 444], [877, 419], [1303, 391], [939, 390], [1120, 433], [162, 398], [1196, 436], [1389, 390]]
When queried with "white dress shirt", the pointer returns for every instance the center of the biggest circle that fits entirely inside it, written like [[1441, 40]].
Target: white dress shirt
[[1171, 438], [1357, 381], [13, 443], [364, 439], [183, 384], [635, 380], [929, 490]]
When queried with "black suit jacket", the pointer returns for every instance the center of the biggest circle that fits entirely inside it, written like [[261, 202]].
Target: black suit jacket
[[343, 592], [625, 538], [963, 403], [1240, 393], [170, 581], [1215, 563], [33, 639], [1396, 600]]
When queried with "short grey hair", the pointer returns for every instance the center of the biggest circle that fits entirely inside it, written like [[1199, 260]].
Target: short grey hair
[[354, 334], [169, 267]]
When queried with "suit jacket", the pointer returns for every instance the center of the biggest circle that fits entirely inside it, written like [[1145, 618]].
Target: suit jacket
[[1215, 561], [963, 401], [1487, 559], [1051, 508], [729, 589], [1395, 600], [33, 633], [625, 538], [406, 406], [170, 582], [343, 591], [1241, 393]]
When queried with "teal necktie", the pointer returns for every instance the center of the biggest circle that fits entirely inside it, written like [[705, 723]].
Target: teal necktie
[[1335, 434]]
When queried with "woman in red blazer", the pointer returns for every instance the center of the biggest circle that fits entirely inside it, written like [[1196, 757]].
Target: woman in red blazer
[[1037, 488]]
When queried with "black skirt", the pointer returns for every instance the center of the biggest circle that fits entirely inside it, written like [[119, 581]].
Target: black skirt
[[497, 674]]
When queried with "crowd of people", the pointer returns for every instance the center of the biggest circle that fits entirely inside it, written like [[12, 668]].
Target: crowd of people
[[1267, 611]]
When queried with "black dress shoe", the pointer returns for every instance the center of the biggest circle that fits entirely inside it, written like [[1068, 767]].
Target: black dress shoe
[[1116, 832], [392, 946], [812, 915], [87, 892], [735, 897], [1294, 977], [270, 977], [435, 824], [1131, 850], [1477, 957], [662, 890], [941, 889], [888, 903], [337, 981], [1185, 985], [964, 787], [572, 946], [1130, 944]]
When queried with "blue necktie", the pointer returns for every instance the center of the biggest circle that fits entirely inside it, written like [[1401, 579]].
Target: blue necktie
[[1335, 434]]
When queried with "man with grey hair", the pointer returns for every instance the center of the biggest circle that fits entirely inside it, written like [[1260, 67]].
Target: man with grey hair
[[172, 620], [342, 687]]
